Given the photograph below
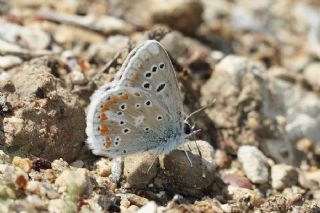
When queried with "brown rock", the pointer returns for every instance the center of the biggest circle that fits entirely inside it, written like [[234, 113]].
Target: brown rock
[[178, 176], [47, 120], [136, 169]]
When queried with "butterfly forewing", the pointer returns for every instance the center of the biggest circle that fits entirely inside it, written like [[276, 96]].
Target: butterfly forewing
[[150, 69]]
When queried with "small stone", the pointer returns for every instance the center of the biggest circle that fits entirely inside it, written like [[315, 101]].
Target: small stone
[[24, 163], [136, 200], [150, 207], [59, 165], [60, 205], [221, 159], [77, 163], [103, 167], [236, 180], [9, 61], [35, 187], [254, 164], [78, 181], [310, 179], [312, 74], [283, 176], [237, 193], [183, 15], [4, 158]]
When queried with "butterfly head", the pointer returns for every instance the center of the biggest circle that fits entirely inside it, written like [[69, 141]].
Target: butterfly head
[[188, 129]]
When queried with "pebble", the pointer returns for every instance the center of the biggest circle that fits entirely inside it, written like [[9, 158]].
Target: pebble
[[77, 163], [237, 193], [150, 207], [103, 167], [9, 61], [312, 75], [254, 164], [4, 158], [24, 163], [283, 176], [182, 15], [78, 178]]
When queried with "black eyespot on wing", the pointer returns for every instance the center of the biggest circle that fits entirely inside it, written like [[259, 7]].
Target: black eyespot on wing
[[148, 74], [147, 103], [123, 106], [161, 66], [154, 69], [126, 130], [124, 151], [119, 113], [138, 105], [159, 117], [146, 85], [160, 87]]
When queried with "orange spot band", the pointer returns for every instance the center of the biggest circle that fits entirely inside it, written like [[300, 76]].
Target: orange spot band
[[103, 117], [107, 144], [125, 96], [105, 108], [136, 94], [113, 100], [103, 129]]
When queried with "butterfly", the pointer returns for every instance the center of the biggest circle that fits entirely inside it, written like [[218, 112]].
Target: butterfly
[[141, 109]]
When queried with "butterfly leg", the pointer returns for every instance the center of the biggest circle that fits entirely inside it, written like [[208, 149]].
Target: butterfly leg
[[154, 160], [187, 155], [117, 167]]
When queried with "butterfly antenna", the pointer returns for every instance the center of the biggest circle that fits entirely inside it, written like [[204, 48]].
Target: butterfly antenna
[[199, 110]]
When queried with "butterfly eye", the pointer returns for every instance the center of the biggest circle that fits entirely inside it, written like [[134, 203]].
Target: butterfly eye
[[161, 66]]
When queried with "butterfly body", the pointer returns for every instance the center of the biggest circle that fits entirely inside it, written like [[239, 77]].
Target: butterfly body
[[141, 110]]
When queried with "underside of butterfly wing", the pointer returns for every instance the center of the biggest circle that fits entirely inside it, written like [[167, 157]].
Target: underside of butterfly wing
[[141, 110], [128, 120]]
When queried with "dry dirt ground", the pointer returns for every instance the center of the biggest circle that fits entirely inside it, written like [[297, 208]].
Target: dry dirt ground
[[259, 145]]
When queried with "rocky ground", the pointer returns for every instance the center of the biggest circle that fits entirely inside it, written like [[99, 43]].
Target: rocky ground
[[259, 148]]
